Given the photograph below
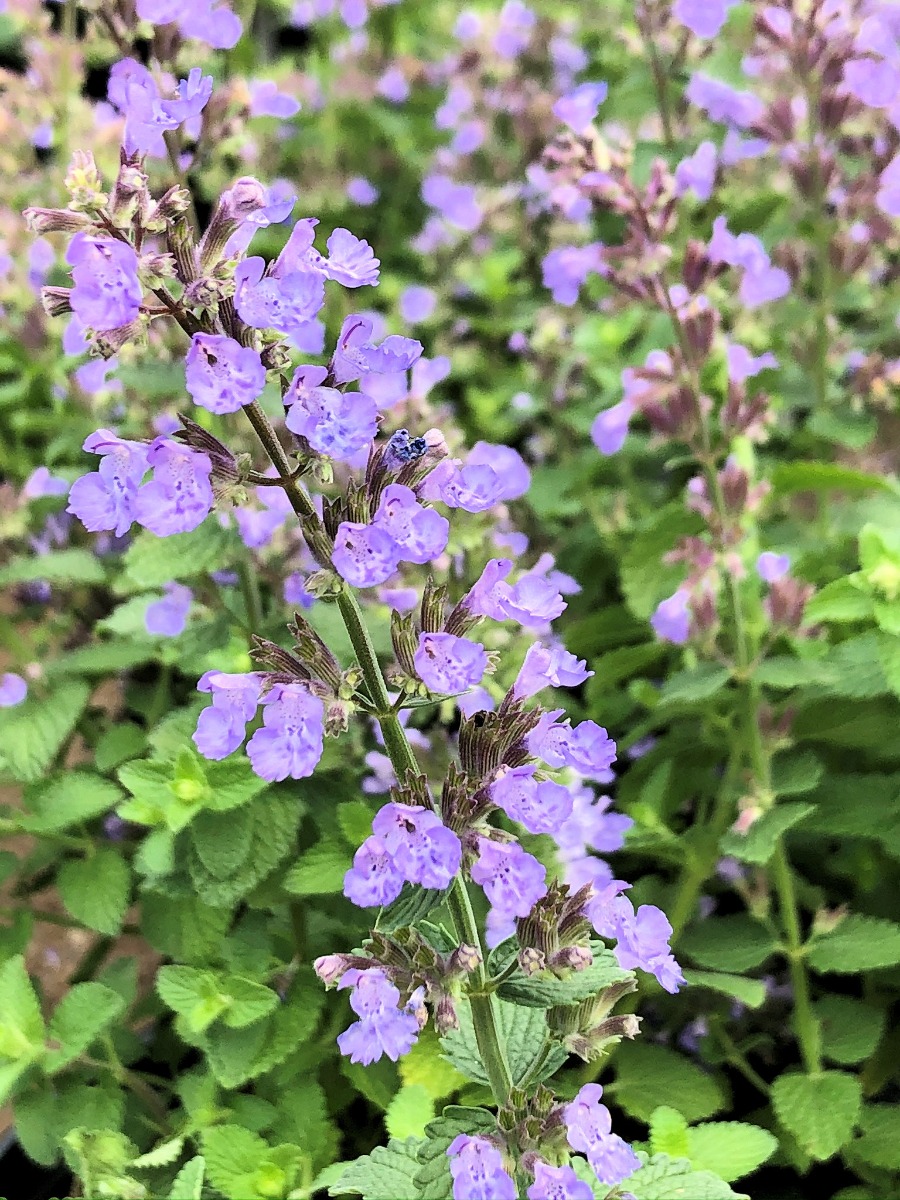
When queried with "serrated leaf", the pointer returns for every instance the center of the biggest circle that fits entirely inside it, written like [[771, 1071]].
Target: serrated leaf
[[96, 890], [249, 1001], [544, 992], [152, 561], [760, 841], [60, 566], [80, 1017], [796, 772], [433, 1180], [62, 801], [859, 943], [388, 1173], [161, 1155], [188, 1183], [668, 1132], [729, 1149], [522, 1033], [820, 1111], [46, 1113], [889, 653], [693, 687], [751, 992], [21, 1023], [850, 1029], [412, 905], [232, 1154], [879, 1140], [118, 744], [790, 477], [664, 1178], [731, 943], [785, 672], [645, 1073], [841, 600], [32, 733], [426, 1065], [319, 871], [222, 840], [354, 818], [409, 1112], [275, 819], [857, 672]]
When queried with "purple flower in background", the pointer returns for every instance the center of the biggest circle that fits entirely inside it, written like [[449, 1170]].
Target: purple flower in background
[[168, 617], [289, 745], [267, 101], [704, 18], [214, 24], [13, 690], [41, 483], [512, 879], [591, 826], [548, 666], [364, 555], [514, 33], [476, 700], [672, 618], [742, 365], [393, 86], [258, 526], [566, 268], [191, 97], [375, 878], [578, 108], [558, 1183], [771, 566], [875, 84], [642, 940], [763, 285], [383, 1027], [446, 663], [417, 304], [223, 725], [508, 464], [355, 355], [587, 748], [295, 593], [133, 91], [540, 805], [456, 202], [610, 427], [697, 172], [723, 103], [107, 292], [421, 533], [476, 1167], [589, 1129], [179, 496], [361, 192], [221, 374], [423, 849], [105, 499]]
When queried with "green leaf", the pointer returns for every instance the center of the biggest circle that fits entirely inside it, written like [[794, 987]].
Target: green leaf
[[645, 1073], [644, 578], [692, 687], [222, 840], [760, 841], [796, 772], [751, 992], [152, 561], [354, 818], [879, 1140], [118, 744], [47, 1112], [664, 1178], [842, 600], [409, 1112], [668, 1132], [275, 818], [850, 1029], [96, 890], [388, 1173], [426, 1065], [249, 1001], [785, 672], [433, 1180], [161, 1155], [729, 1149], [21, 1023], [858, 943], [80, 1017], [205, 996], [319, 871], [412, 905], [60, 566], [545, 992], [188, 1183], [732, 943], [32, 733], [523, 1032], [65, 800], [820, 1111], [790, 477], [233, 1155], [856, 668]]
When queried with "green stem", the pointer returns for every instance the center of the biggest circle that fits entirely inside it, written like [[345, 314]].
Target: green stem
[[250, 591], [738, 1060], [660, 79], [806, 1025]]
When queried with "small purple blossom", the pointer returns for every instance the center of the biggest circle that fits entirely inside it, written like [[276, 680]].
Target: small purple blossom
[[393, 86], [107, 292], [351, 260], [167, 617], [456, 202], [642, 940], [105, 499], [361, 191], [512, 879], [41, 483], [541, 806], [286, 303], [697, 172], [558, 1183], [671, 620], [447, 664], [267, 101], [13, 689], [566, 269], [424, 850], [364, 555], [723, 103], [548, 666], [742, 365], [534, 602], [356, 355], [771, 566], [578, 108], [336, 423], [205, 20], [223, 725], [289, 745], [610, 427], [375, 878], [383, 1027], [589, 1129], [222, 375], [420, 533], [587, 748], [179, 496], [704, 18], [417, 304], [477, 1170]]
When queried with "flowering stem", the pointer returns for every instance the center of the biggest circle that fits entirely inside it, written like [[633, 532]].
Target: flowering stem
[[660, 75]]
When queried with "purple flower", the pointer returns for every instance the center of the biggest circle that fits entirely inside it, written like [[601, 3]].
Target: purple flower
[[534, 602], [168, 617], [591, 826], [514, 33], [351, 260], [336, 423], [202, 19], [477, 1170], [483, 597], [512, 879], [704, 18], [578, 108], [423, 849], [642, 940], [515, 478], [267, 101], [295, 593], [874, 83], [289, 745], [383, 1027], [191, 97], [179, 496], [258, 526], [105, 499], [107, 292], [589, 1129], [456, 202], [375, 878], [393, 86], [420, 533], [763, 285], [446, 663], [221, 374], [133, 91], [41, 483], [13, 690], [771, 566], [548, 666], [417, 304], [540, 805], [361, 192], [558, 1183], [285, 303], [222, 727], [697, 172], [610, 427], [723, 103], [743, 366], [477, 700], [672, 618], [355, 355], [364, 555], [566, 268], [587, 748]]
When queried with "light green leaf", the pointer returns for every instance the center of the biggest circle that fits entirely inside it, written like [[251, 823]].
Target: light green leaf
[[21, 1023], [80, 1017], [409, 1112], [222, 840], [546, 991], [65, 800], [161, 1155], [523, 1032], [842, 600], [850, 1029], [820, 1111], [152, 561], [784, 672], [729, 1149], [879, 1140], [790, 477], [188, 1183], [119, 743], [32, 733], [732, 943], [751, 992], [388, 1173], [96, 890], [668, 1132], [760, 841], [319, 871], [664, 1178], [60, 566], [692, 687], [858, 943], [647, 1073], [796, 772], [249, 1002], [354, 818], [426, 1065], [233, 1155]]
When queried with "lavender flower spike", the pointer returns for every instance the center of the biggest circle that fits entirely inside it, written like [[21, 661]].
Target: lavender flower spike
[[477, 1170], [446, 663], [383, 1027], [589, 1129]]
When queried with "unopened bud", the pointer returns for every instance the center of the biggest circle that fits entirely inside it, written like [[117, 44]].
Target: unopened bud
[[572, 958], [446, 1019], [110, 341], [56, 301], [55, 220], [532, 960], [465, 959], [244, 198], [83, 183]]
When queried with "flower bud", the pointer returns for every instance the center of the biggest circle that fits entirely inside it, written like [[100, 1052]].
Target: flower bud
[[446, 1019], [83, 184], [244, 198], [532, 961], [55, 220], [56, 301]]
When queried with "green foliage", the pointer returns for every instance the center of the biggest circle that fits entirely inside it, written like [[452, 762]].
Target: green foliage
[[820, 1111], [645, 1072], [32, 734], [858, 943], [388, 1173], [95, 890], [728, 1149]]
